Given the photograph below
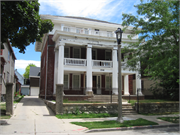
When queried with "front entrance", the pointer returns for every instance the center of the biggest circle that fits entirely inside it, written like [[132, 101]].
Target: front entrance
[[97, 84]]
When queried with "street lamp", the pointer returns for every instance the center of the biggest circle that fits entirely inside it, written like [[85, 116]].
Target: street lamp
[[119, 37]]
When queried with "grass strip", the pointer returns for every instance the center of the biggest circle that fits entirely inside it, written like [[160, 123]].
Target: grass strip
[[165, 113], [84, 115], [114, 124], [170, 119], [19, 99]]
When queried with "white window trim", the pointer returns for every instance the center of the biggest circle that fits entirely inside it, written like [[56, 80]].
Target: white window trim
[[95, 53], [68, 54], [68, 29], [109, 34], [68, 82], [79, 81], [79, 52]]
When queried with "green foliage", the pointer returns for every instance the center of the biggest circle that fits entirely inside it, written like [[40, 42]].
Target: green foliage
[[170, 119], [85, 115], [113, 124], [21, 23], [157, 49], [26, 74]]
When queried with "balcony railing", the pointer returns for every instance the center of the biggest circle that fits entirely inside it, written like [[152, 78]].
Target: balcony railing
[[74, 62], [101, 63], [94, 32]]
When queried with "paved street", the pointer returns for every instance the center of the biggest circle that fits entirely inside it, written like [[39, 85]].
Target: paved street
[[32, 117]]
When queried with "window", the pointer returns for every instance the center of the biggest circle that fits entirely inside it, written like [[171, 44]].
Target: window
[[108, 82], [8, 55], [76, 81], [97, 31], [94, 54], [76, 53], [86, 31], [67, 29], [107, 55], [79, 30], [109, 34], [66, 52], [66, 78]]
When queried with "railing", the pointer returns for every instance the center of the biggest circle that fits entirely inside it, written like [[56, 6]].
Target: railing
[[96, 33], [101, 63], [74, 62]]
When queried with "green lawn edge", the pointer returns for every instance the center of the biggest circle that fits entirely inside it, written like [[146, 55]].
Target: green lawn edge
[[170, 119], [115, 124], [84, 115]]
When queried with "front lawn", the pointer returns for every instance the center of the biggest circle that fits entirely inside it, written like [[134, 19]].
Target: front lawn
[[115, 124], [170, 119], [84, 115]]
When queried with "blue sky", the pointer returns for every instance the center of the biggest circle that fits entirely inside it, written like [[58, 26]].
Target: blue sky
[[106, 10]]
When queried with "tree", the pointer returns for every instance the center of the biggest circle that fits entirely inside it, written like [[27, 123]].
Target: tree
[[26, 74], [21, 23], [157, 49]]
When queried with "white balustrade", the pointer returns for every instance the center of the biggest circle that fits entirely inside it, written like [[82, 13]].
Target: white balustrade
[[74, 62], [101, 63]]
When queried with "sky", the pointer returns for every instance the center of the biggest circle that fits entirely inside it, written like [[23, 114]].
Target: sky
[[106, 10]]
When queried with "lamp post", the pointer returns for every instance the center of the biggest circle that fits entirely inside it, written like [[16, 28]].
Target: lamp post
[[119, 37]]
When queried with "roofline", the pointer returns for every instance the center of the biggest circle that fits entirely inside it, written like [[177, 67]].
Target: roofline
[[11, 48]]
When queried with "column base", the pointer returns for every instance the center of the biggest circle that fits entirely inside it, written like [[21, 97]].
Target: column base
[[89, 93]]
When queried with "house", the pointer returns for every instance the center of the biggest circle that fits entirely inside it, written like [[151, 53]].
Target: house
[[7, 67], [81, 53], [34, 76]]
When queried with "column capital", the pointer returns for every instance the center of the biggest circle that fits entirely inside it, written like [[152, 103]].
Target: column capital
[[89, 46], [59, 43], [115, 48]]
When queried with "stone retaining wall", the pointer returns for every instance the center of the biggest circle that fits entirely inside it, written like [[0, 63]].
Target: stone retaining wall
[[165, 107], [85, 107]]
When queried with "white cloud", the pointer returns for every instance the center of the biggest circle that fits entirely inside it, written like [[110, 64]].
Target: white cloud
[[21, 65]]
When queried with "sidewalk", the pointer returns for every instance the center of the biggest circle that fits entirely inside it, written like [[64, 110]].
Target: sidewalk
[[32, 117]]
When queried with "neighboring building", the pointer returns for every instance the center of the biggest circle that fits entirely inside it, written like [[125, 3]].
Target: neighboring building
[[7, 66], [24, 84], [34, 76], [81, 53]]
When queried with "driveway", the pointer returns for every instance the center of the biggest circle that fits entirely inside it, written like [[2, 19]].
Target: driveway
[[32, 117]]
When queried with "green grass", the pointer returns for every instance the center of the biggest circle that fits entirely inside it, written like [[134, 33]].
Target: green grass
[[149, 101], [84, 115], [78, 101], [114, 124], [170, 119], [165, 113], [19, 99]]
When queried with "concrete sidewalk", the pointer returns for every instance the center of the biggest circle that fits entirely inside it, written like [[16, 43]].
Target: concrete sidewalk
[[32, 117]]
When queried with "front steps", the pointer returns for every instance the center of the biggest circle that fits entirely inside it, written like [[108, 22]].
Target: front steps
[[127, 109], [105, 98]]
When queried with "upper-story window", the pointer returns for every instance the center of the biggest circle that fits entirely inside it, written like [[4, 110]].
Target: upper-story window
[[8, 55], [86, 31], [66, 52], [79, 30], [67, 29], [76, 53], [109, 34], [108, 55], [97, 31]]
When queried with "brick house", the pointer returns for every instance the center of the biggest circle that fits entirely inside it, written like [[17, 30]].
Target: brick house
[[81, 53]]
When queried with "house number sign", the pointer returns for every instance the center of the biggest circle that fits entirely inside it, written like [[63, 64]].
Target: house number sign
[[101, 69]]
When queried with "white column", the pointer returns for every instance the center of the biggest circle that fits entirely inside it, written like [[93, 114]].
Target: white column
[[89, 70], [55, 69], [115, 71], [61, 63], [138, 81], [126, 85]]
